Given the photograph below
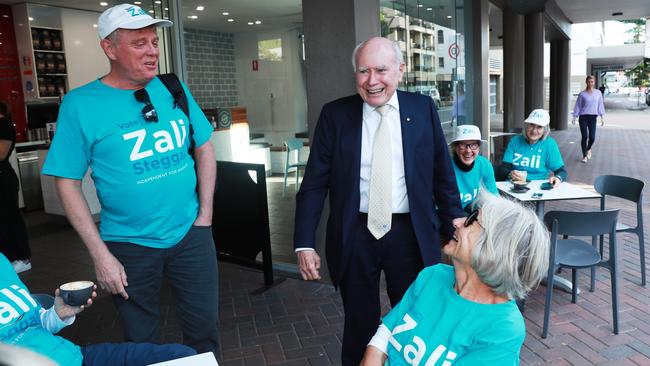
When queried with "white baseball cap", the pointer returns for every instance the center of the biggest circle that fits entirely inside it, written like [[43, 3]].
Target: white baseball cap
[[466, 133], [126, 16], [539, 117]]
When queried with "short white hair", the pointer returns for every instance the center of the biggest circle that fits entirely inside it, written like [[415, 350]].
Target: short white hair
[[512, 254], [399, 58]]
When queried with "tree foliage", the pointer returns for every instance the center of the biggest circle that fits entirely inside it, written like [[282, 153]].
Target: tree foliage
[[639, 75], [637, 31]]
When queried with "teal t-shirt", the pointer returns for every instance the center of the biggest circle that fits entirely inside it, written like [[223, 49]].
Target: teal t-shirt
[[538, 159], [433, 325], [145, 179], [20, 322], [469, 183]]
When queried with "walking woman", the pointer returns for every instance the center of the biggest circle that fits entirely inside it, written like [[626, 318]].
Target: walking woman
[[589, 106], [13, 233]]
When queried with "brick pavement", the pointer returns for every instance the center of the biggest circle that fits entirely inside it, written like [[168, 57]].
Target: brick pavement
[[299, 323]]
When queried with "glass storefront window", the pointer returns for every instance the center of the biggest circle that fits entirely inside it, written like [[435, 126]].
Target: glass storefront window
[[429, 34]]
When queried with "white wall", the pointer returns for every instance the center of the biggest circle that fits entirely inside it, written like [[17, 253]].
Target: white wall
[[84, 57], [286, 112]]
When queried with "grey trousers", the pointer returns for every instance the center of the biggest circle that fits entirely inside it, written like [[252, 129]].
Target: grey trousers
[[190, 268]]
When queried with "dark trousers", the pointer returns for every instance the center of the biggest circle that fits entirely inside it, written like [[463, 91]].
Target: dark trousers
[[398, 255], [190, 268], [588, 132], [13, 233], [132, 354]]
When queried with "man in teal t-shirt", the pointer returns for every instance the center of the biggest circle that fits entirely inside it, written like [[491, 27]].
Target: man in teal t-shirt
[[127, 127]]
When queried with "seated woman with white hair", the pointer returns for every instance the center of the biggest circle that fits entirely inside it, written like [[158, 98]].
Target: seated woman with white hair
[[466, 314], [534, 152]]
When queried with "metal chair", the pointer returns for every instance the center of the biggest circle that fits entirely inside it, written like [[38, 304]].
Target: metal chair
[[576, 253], [293, 144], [46, 301], [630, 189]]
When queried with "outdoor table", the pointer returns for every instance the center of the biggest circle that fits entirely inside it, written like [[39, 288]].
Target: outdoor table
[[203, 359], [564, 191]]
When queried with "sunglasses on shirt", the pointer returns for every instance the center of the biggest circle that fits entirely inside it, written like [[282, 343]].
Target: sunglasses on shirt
[[148, 111]]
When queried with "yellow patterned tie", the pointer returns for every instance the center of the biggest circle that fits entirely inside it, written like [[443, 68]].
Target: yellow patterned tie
[[380, 194]]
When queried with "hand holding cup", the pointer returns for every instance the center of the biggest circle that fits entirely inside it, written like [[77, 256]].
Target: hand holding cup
[[73, 297], [518, 175]]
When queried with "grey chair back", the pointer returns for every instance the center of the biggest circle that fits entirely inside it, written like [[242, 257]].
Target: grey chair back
[[630, 189], [589, 223], [620, 186], [575, 253]]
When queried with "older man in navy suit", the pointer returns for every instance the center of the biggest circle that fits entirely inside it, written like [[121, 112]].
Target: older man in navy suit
[[382, 157]]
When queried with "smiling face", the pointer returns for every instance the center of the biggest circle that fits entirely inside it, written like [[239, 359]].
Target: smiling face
[[378, 72], [134, 55], [465, 152], [534, 132]]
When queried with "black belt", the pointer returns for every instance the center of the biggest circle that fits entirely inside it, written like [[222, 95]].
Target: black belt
[[395, 215]]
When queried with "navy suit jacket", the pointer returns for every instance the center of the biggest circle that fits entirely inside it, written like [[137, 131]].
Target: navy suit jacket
[[334, 164]]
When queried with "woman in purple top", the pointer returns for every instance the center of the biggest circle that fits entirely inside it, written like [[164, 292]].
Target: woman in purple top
[[589, 106]]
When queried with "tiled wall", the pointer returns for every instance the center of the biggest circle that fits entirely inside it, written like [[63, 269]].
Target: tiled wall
[[211, 68]]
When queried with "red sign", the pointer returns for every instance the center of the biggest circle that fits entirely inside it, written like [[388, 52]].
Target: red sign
[[454, 50], [255, 65]]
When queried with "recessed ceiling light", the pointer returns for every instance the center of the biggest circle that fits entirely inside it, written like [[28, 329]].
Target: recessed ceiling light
[[31, 19], [200, 8], [258, 22], [617, 13], [151, 11], [429, 9], [448, 16], [103, 3], [420, 5], [193, 17], [158, 2], [5, 16], [166, 8], [137, 2], [225, 13], [94, 25], [231, 20], [250, 23]]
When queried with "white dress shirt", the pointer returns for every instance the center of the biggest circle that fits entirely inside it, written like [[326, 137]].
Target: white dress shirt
[[371, 119]]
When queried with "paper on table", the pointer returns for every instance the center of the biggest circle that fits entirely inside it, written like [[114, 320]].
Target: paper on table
[[204, 359]]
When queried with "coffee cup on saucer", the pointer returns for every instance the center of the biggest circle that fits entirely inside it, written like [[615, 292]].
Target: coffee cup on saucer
[[520, 185], [76, 293]]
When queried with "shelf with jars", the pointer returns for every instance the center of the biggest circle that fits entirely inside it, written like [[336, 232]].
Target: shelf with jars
[[41, 49], [49, 60]]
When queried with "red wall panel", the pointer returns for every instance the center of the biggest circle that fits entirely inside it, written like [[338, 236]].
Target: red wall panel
[[11, 90]]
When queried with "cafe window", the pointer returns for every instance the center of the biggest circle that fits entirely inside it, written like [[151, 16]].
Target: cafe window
[[270, 49]]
